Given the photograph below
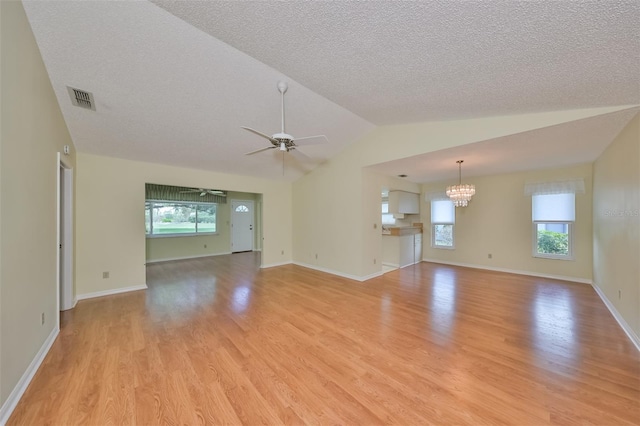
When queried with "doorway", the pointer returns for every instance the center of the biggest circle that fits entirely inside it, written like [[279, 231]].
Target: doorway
[[242, 225], [65, 236]]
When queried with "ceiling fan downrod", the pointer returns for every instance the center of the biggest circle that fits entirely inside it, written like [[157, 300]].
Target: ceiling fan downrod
[[282, 87]]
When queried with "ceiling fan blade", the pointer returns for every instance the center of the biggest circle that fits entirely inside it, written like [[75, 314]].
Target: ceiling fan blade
[[261, 134], [298, 153], [260, 150], [309, 140]]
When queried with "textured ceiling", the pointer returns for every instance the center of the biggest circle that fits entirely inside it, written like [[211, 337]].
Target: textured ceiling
[[566, 144], [168, 93], [400, 62], [173, 84]]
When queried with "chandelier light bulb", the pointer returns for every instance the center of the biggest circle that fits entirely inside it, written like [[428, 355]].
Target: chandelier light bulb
[[460, 194]]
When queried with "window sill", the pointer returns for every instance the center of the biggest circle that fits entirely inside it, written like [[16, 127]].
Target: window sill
[[199, 234], [443, 247], [543, 256]]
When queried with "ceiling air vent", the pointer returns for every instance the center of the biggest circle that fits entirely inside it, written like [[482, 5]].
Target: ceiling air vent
[[81, 99]]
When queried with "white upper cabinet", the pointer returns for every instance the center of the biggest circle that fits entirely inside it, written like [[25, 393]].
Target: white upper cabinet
[[404, 202]]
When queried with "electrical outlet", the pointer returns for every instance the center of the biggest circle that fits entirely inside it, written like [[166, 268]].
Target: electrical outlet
[[282, 252], [374, 261], [42, 319], [105, 274], [316, 256], [490, 256]]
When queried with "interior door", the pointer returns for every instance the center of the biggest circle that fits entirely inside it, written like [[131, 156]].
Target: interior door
[[242, 215]]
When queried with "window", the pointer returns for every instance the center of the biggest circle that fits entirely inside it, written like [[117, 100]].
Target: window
[[168, 218], [242, 209], [443, 218], [553, 216], [387, 218]]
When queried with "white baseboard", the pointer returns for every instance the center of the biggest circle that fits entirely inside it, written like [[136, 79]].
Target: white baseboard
[[273, 265], [169, 259], [625, 326], [17, 392], [339, 274], [512, 271], [110, 292], [371, 276]]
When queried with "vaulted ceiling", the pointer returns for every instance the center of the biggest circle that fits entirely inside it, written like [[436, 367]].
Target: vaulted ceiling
[[174, 80]]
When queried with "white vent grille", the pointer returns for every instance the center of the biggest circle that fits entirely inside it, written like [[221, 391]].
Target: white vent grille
[[81, 99]]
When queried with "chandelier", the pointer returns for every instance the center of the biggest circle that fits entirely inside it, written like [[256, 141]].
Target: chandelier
[[460, 194]]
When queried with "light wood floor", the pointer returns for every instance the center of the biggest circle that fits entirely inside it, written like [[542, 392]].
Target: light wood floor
[[216, 340]]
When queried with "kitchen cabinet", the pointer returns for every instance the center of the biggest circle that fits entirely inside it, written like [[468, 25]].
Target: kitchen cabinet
[[404, 202], [417, 248], [401, 250], [406, 250]]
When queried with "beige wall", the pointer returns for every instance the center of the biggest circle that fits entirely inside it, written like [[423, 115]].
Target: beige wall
[[327, 217], [338, 203], [498, 221], [33, 132], [166, 248], [2, 398], [616, 224], [110, 216]]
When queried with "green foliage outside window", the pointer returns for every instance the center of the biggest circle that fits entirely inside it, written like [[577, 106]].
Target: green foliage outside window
[[550, 242], [166, 218]]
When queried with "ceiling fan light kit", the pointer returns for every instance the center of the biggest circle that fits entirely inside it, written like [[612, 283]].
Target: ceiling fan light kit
[[460, 194]]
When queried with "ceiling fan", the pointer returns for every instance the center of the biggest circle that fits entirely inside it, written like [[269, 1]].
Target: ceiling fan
[[283, 141], [204, 191]]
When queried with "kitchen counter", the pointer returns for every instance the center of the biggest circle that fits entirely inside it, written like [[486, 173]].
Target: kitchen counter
[[397, 231]]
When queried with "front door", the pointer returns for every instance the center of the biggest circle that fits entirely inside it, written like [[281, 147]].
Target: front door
[[241, 225]]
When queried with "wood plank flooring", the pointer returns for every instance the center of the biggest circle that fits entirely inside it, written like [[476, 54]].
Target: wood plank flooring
[[219, 341]]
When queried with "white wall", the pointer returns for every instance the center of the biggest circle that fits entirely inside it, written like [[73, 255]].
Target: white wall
[[498, 221], [616, 224], [33, 132], [110, 226]]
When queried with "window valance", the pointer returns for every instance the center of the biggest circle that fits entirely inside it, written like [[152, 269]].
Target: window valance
[[565, 186], [179, 193], [435, 196]]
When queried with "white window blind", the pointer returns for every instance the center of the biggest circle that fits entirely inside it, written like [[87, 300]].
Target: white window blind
[[442, 211], [554, 208]]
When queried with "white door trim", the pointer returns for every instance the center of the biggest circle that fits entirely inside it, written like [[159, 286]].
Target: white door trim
[[64, 236]]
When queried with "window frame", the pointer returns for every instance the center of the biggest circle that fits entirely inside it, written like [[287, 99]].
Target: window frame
[[179, 234], [453, 228], [387, 214], [453, 236], [534, 245]]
